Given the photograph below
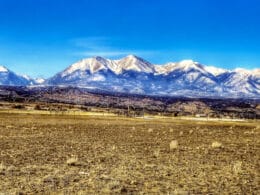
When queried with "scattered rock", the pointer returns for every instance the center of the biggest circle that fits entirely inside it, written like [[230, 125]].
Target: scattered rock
[[216, 144], [156, 153], [2, 169], [72, 161], [173, 145], [237, 167], [150, 130]]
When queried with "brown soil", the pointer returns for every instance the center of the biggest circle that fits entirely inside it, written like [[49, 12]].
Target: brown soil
[[95, 155]]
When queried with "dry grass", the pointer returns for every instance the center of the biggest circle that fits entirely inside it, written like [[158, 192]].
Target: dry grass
[[44, 154], [180, 192]]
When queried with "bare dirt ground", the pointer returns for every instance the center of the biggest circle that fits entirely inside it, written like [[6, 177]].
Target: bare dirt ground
[[102, 155]]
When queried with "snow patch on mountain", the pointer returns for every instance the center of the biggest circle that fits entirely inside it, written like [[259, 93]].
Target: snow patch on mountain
[[8, 77], [92, 64], [97, 77], [133, 74], [214, 70], [3, 69], [182, 66], [187, 65], [39, 80], [135, 63]]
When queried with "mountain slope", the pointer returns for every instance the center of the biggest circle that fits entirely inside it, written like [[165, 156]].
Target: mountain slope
[[8, 77], [126, 75], [133, 74], [136, 64], [241, 81]]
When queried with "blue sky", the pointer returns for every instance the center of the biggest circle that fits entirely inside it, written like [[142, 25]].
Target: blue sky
[[43, 37]]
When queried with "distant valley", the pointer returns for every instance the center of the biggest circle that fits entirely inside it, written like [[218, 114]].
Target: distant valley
[[63, 99]]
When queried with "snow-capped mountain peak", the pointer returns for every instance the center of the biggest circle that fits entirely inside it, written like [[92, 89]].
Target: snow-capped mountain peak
[[179, 78], [214, 70], [165, 69], [242, 71], [8, 77], [133, 74], [135, 63], [97, 63], [92, 64], [245, 72], [187, 65], [182, 66], [256, 72], [39, 80], [3, 69]]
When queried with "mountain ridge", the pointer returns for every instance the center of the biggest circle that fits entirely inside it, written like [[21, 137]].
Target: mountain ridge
[[133, 74]]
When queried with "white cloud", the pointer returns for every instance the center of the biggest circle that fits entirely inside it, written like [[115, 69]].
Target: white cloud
[[102, 46]]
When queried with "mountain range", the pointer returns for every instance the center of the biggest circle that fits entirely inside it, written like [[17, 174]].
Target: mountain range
[[135, 75]]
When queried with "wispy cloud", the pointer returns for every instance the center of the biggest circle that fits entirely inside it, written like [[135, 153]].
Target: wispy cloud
[[92, 43], [103, 46]]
